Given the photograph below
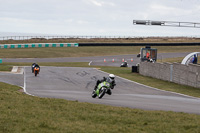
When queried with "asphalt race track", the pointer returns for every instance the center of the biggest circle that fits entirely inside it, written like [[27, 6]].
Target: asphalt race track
[[13, 79], [76, 83]]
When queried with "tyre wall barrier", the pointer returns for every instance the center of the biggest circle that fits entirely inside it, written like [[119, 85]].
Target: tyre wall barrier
[[38, 45]]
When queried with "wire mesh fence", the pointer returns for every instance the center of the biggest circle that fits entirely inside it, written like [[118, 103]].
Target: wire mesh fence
[[59, 37], [83, 37]]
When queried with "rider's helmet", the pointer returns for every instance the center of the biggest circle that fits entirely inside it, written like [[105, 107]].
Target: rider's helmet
[[112, 76], [33, 64]]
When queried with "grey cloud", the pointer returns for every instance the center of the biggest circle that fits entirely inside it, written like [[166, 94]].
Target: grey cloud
[[109, 17]]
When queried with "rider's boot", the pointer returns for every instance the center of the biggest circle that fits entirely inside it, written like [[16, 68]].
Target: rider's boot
[[95, 88], [94, 92]]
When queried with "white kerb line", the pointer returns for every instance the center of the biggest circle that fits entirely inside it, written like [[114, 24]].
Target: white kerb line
[[25, 83], [24, 80], [90, 63]]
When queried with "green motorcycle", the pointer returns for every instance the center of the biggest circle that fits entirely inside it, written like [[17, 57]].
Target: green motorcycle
[[102, 88]]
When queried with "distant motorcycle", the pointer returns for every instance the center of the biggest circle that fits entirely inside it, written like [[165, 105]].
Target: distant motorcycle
[[124, 64], [36, 71], [102, 89]]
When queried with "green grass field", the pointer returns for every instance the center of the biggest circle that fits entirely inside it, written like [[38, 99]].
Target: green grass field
[[86, 51], [23, 113]]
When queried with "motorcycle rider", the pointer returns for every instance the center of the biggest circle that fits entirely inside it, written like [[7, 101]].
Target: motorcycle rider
[[32, 67], [124, 64], [35, 65], [110, 79]]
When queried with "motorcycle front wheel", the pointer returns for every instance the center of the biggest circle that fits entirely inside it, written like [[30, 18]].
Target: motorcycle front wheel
[[102, 92], [36, 73]]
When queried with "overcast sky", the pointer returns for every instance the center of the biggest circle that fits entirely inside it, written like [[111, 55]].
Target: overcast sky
[[98, 17]]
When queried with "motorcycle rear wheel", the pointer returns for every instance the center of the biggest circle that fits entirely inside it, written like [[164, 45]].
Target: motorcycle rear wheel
[[94, 94]]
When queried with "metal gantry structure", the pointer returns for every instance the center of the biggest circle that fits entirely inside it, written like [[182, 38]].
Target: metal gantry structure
[[167, 23]]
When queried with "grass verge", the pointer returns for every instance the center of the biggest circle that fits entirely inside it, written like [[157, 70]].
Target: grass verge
[[171, 60], [87, 51], [23, 113], [5, 67]]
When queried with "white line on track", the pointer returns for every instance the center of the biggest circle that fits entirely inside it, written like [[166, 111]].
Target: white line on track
[[24, 88], [90, 63]]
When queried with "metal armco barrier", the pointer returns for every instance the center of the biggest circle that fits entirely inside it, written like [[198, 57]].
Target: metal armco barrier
[[39, 45], [140, 44]]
